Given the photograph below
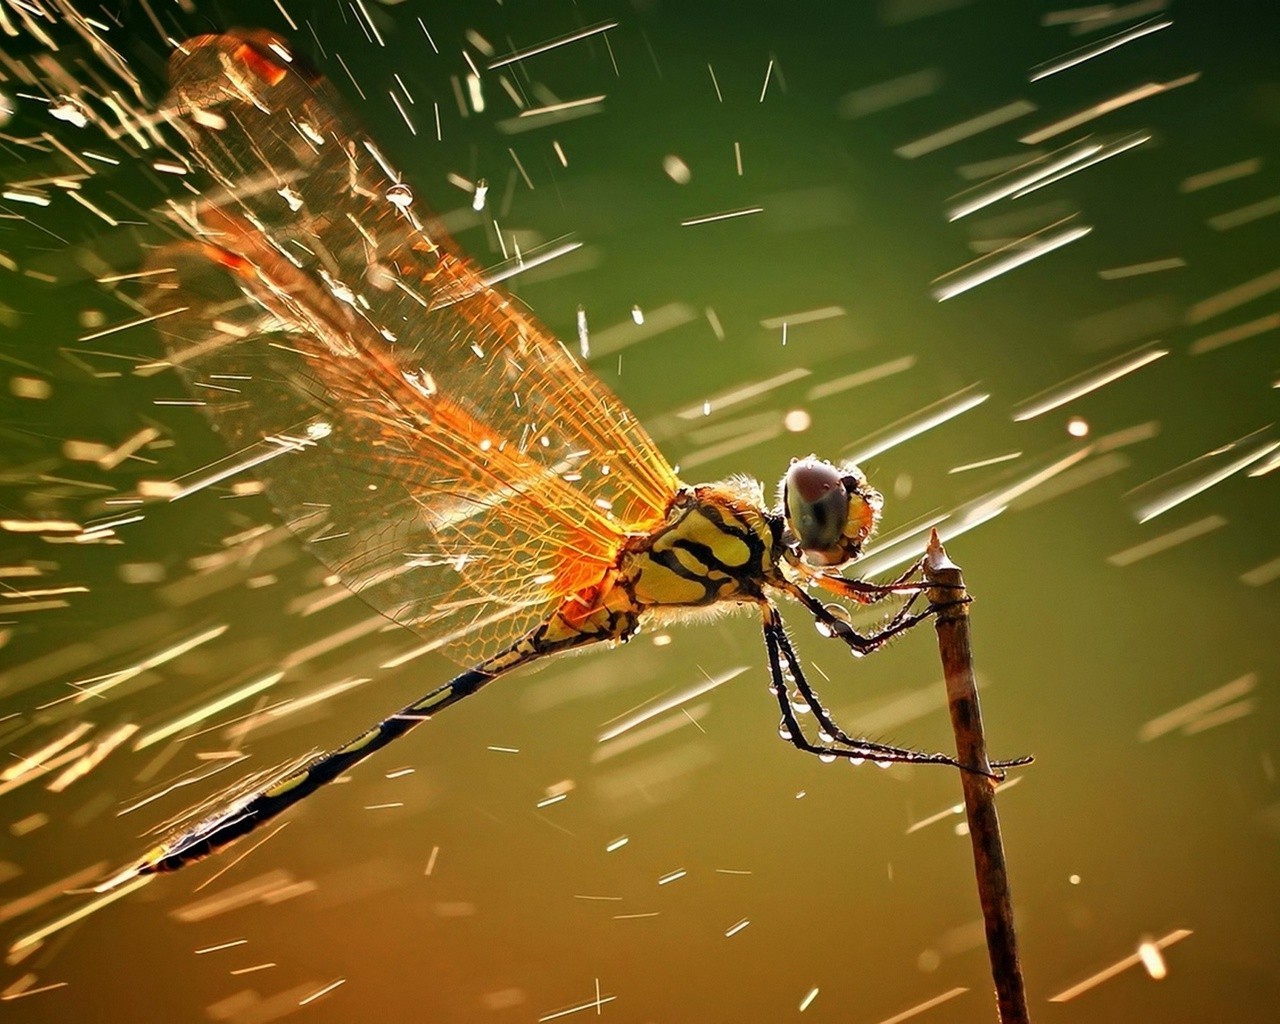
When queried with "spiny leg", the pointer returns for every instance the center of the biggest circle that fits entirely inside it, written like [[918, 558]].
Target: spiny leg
[[860, 644], [866, 592], [832, 729], [784, 665]]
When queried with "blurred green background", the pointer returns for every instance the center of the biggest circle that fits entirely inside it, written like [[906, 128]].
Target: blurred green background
[[468, 901]]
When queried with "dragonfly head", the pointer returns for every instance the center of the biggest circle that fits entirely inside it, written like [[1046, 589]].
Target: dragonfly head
[[830, 510]]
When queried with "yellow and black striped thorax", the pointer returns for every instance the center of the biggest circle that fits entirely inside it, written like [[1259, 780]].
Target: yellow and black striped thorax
[[716, 545]]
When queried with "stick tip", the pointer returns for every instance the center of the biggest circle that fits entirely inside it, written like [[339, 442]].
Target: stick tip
[[936, 558]]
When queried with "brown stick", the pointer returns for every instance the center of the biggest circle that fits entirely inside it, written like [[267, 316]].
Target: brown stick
[[948, 596]]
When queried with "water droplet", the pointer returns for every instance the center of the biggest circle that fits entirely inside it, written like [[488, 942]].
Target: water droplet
[[784, 732], [71, 110], [380, 276], [797, 421], [826, 757], [676, 169], [584, 335], [1152, 960], [422, 382], [929, 961], [338, 289], [839, 612], [400, 196]]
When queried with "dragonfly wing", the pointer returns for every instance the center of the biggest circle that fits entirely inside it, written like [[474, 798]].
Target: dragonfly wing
[[437, 447]]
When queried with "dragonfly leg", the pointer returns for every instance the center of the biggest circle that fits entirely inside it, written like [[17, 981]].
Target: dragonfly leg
[[785, 668], [866, 592], [859, 643]]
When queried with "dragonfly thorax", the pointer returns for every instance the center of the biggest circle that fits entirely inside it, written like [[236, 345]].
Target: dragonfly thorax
[[718, 544]]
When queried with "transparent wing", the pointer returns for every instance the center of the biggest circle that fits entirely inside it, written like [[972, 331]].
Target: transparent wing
[[433, 444]]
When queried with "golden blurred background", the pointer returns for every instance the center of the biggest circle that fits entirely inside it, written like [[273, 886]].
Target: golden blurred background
[[698, 869]]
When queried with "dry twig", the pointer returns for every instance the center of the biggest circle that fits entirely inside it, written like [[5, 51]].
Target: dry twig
[[947, 594]]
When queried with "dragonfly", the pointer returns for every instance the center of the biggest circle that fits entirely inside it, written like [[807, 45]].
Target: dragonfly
[[438, 448]]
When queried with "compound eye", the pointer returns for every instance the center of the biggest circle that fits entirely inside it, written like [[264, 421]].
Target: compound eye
[[817, 507]]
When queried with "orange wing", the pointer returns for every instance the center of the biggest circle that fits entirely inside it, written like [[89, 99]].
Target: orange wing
[[434, 444]]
